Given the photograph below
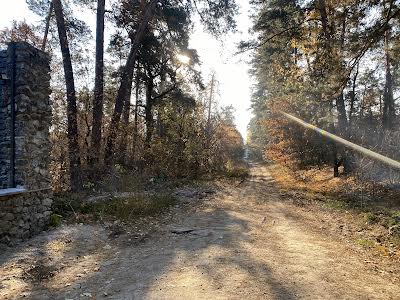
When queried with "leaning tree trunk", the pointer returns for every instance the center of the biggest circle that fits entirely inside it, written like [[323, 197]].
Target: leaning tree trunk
[[95, 147], [73, 144], [126, 84], [46, 30]]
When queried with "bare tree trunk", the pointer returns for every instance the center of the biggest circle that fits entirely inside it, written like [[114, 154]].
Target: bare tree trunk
[[124, 89], [388, 102], [95, 147], [353, 97], [210, 100], [321, 6], [328, 30], [73, 144], [343, 129], [125, 123], [136, 120], [46, 31], [324, 19], [149, 113], [342, 115]]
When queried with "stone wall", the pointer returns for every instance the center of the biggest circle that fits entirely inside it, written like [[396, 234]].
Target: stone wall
[[24, 214]]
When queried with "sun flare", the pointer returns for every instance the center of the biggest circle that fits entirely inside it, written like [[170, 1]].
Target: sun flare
[[183, 58]]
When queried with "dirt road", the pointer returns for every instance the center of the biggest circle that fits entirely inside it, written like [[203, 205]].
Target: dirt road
[[243, 243]]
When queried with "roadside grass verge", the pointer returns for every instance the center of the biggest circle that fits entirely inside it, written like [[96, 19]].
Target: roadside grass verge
[[74, 208], [127, 196], [128, 209]]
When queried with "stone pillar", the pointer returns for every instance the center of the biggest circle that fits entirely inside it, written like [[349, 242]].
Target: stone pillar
[[24, 214], [33, 117], [4, 122]]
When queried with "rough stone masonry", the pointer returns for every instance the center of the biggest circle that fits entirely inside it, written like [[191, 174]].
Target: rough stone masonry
[[24, 163]]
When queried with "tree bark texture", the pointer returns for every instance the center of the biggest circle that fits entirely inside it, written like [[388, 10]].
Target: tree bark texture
[[46, 31], [98, 87], [73, 144], [149, 113], [389, 112]]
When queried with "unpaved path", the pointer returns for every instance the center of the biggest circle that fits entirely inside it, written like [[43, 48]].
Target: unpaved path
[[244, 243]]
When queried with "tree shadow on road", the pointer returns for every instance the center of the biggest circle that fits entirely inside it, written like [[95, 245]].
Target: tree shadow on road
[[45, 266], [212, 260]]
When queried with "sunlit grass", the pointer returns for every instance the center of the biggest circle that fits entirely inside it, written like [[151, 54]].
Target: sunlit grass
[[365, 243]]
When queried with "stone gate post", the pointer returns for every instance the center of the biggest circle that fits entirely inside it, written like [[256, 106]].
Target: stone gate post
[[25, 120]]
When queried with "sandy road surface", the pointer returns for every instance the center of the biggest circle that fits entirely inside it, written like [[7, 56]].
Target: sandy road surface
[[244, 243]]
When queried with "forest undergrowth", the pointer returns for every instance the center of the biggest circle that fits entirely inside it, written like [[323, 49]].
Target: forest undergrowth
[[128, 199]]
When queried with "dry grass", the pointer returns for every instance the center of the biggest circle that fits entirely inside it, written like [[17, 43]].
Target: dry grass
[[371, 208], [125, 209], [321, 184], [129, 209], [311, 181], [239, 171]]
